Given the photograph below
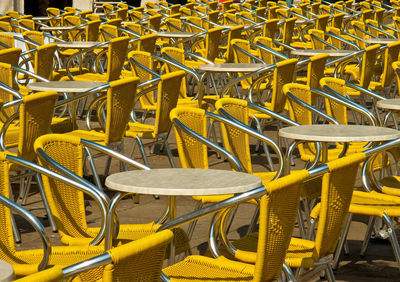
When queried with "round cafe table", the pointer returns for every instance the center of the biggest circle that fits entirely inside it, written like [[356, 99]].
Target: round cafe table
[[383, 41], [173, 182], [390, 105], [6, 272], [80, 44], [314, 52], [328, 133]]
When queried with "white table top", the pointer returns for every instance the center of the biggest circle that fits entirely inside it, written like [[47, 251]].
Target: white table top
[[175, 34], [380, 40], [389, 104], [183, 182], [6, 272], [231, 67], [42, 18], [313, 52], [339, 133], [79, 44], [64, 86], [59, 28]]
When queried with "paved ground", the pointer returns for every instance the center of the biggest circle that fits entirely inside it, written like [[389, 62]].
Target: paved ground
[[378, 265]]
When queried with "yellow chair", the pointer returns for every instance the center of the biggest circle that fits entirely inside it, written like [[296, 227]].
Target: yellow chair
[[135, 261], [6, 41], [116, 53], [67, 203], [118, 104], [167, 98], [336, 195], [277, 217]]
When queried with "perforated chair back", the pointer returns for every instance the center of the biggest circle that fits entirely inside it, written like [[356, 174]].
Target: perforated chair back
[[192, 153], [336, 193], [43, 60], [35, 36], [167, 99], [116, 54], [35, 115], [6, 40], [334, 109]]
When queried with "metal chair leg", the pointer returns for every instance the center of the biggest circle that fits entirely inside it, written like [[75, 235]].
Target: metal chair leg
[[367, 237], [192, 225], [342, 239], [27, 188], [392, 239], [329, 273], [141, 148], [17, 234], [46, 203], [169, 153], [93, 168]]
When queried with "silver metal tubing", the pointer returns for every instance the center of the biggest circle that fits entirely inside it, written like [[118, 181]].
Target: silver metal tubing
[[4, 129], [231, 121], [241, 50], [109, 234], [365, 91], [37, 225], [342, 40], [271, 113], [176, 222], [310, 108], [324, 42], [32, 74], [133, 61], [199, 57], [78, 185], [12, 103], [346, 102], [114, 154], [270, 50], [232, 159], [380, 30], [86, 265]]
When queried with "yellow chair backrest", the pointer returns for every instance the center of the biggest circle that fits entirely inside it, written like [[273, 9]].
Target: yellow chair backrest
[[192, 153], [116, 54], [337, 190]]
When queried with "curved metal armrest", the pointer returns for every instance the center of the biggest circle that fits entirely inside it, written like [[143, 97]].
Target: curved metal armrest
[[346, 102], [232, 159], [365, 91], [129, 31], [81, 186], [4, 128], [29, 73], [10, 90], [311, 108], [73, 29], [226, 118], [194, 25], [255, 58], [270, 50], [283, 45], [200, 58], [343, 40], [323, 41], [36, 224], [272, 114], [380, 30]]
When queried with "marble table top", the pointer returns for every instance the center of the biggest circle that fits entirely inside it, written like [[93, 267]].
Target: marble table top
[[182, 182], [313, 52], [175, 34], [380, 40], [389, 104], [59, 28], [231, 67], [64, 86], [79, 44], [6, 272], [339, 133]]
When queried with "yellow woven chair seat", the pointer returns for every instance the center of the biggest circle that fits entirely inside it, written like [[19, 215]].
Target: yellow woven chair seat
[[92, 135], [308, 154], [68, 52], [301, 45], [91, 77], [375, 86], [140, 129], [374, 203], [199, 268], [391, 185], [257, 114], [61, 125], [370, 203], [26, 262], [300, 252]]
